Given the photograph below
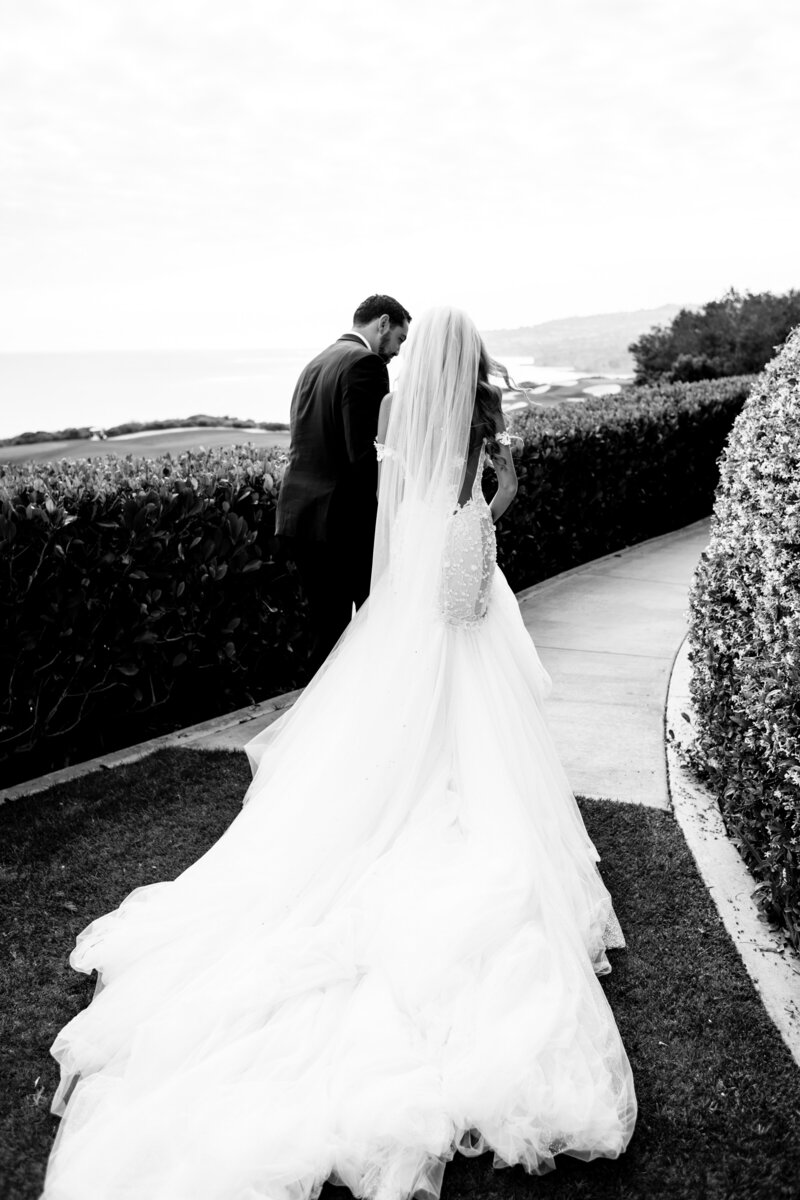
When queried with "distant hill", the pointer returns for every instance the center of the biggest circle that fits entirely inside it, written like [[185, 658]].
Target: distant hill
[[591, 344]]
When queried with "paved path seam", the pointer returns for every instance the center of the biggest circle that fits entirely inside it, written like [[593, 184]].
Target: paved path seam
[[617, 653], [679, 583]]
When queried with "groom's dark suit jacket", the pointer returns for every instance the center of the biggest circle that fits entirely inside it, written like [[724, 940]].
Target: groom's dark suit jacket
[[328, 489]]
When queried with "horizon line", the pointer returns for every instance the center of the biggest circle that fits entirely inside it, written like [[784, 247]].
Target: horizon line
[[254, 348]]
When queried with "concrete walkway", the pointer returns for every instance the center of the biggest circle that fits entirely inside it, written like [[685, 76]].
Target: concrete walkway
[[608, 633]]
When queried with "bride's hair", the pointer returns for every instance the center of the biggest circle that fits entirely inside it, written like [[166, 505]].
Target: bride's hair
[[443, 406], [487, 399]]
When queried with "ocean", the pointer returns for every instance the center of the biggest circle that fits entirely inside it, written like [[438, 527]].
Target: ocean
[[57, 391]]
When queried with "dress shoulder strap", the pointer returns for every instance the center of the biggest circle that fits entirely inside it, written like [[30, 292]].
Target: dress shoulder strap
[[477, 483]]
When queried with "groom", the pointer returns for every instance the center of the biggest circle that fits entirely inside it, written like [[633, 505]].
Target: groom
[[327, 502]]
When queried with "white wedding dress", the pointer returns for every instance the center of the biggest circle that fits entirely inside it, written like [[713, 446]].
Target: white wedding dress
[[390, 955]]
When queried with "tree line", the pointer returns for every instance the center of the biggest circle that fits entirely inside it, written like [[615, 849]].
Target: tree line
[[736, 335]]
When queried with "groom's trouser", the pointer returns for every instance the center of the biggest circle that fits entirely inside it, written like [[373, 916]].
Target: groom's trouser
[[335, 575]]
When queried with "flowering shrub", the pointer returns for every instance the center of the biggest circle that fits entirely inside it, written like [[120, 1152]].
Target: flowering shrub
[[603, 474], [138, 595], [745, 637]]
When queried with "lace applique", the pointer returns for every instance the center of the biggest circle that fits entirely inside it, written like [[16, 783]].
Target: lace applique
[[504, 438], [468, 566], [382, 451], [469, 560]]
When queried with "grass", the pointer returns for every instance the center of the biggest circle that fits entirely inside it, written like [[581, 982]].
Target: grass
[[719, 1094], [144, 445]]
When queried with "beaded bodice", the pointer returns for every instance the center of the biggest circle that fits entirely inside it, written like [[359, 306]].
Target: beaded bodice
[[469, 556], [469, 559]]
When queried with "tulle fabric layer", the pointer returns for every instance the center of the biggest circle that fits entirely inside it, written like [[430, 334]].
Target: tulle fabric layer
[[389, 956]]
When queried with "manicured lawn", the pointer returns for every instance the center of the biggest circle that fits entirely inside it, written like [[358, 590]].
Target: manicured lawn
[[719, 1094], [145, 445]]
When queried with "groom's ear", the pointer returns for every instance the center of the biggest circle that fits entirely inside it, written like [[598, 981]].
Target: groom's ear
[[383, 323]]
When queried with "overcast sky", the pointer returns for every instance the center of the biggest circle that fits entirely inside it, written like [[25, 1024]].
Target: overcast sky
[[182, 173]]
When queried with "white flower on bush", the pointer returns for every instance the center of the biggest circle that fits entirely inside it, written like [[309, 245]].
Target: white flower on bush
[[745, 631]]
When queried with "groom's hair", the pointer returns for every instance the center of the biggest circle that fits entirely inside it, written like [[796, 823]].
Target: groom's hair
[[375, 306]]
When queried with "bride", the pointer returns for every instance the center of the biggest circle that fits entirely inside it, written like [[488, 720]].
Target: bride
[[391, 954]]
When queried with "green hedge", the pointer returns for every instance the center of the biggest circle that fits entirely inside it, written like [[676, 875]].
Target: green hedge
[[138, 596], [612, 471], [745, 638]]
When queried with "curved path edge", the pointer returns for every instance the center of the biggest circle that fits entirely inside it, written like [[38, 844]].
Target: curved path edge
[[771, 964], [231, 724]]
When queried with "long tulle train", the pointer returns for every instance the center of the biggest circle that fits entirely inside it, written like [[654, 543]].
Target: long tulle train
[[390, 956]]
